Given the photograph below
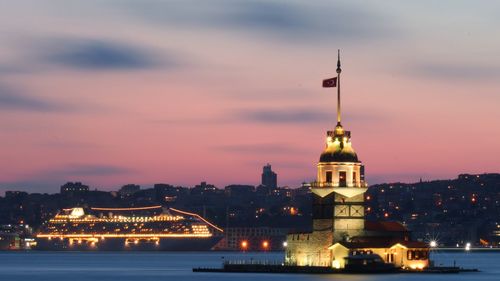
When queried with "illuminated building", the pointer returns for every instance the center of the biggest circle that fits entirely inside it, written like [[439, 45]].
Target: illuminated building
[[143, 228], [340, 231]]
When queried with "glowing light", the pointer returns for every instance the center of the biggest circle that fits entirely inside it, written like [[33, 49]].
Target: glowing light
[[126, 209], [418, 266], [77, 212], [285, 244], [198, 216], [433, 244], [336, 264], [244, 244], [265, 244], [118, 235], [467, 246]]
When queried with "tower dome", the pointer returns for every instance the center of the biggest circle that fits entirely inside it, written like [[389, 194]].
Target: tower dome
[[333, 153], [338, 147]]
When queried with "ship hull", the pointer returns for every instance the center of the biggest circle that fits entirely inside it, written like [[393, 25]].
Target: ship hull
[[120, 244]]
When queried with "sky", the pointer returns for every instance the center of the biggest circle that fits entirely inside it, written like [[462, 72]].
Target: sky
[[112, 92]]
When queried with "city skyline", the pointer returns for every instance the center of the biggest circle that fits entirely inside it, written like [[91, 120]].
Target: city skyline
[[177, 93]]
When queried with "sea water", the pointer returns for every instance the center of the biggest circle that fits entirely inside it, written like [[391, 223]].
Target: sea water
[[145, 266]]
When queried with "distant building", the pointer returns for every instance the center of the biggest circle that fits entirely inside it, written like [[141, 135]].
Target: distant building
[[167, 192], [203, 188], [128, 190], [15, 194], [71, 188], [269, 178], [239, 190]]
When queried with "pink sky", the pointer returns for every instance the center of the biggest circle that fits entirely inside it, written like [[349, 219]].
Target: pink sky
[[116, 92]]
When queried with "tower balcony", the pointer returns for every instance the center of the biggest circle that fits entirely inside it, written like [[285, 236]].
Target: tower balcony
[[360, 184], [322, 189]]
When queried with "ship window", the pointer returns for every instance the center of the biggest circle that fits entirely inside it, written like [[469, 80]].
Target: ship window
[[329, 176], [342, 178]]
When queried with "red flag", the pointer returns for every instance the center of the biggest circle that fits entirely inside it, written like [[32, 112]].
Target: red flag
[[330, 83]]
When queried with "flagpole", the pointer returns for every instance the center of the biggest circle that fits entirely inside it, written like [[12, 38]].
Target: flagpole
[[338, 88]]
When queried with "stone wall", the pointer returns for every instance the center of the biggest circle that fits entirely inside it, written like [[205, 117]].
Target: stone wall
[[309, 248]]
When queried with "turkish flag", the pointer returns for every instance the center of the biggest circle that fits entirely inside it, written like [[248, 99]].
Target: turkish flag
[[330, 83]]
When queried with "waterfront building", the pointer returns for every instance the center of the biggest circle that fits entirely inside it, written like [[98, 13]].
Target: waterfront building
[[340, 230], [252, 239]]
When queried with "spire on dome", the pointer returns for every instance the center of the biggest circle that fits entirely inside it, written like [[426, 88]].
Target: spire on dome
[[339, 70]]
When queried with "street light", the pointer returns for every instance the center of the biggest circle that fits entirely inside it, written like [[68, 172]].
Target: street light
[[265, 244], [244, 245]]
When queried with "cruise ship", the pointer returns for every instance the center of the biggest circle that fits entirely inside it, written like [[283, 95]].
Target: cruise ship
[[152, 228]]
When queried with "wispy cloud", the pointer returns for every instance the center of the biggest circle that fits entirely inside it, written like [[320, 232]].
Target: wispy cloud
[[51, 179], [456, 72], [20, 99], [262, 148], [90, 170], [300, 115], [103, 55], [284, 116], [282, 20], [13, 99]]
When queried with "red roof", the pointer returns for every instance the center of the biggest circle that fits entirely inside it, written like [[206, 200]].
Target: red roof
[[383, 244], [385, 226]]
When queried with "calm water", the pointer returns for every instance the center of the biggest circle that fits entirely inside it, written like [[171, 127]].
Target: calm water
[[143, 266]]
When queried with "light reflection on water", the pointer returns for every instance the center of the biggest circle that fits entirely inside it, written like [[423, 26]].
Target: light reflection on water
[[144, 266]]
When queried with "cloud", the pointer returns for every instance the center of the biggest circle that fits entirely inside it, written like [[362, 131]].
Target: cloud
[[90, 170], [292, 20], [13, 99], [455, 71], [282, 20], [282, 116], [51, 179], [263, 148], [103, 55], [301, 115]]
